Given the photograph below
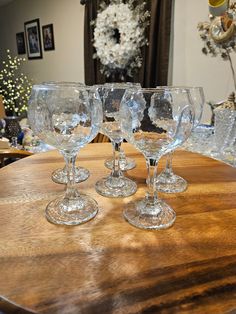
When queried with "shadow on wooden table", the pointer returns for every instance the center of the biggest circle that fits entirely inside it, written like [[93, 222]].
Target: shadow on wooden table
[[7, 307]]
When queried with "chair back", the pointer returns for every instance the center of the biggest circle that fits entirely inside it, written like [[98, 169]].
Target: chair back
[[13, 153], [2, 109], [101, 138]]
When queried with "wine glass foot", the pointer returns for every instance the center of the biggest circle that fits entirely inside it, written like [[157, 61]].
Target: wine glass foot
[[170, 183], [115, 187], [60, 175], [125, 165], [63, 211], [143, 216]]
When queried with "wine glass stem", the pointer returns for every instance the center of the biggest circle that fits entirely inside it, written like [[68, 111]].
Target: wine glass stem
[[122, 157], [116, 172], [151, 194], [71, 191], [169, 169]]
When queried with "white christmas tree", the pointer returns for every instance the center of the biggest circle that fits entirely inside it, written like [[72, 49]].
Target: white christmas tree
[[15, 87]]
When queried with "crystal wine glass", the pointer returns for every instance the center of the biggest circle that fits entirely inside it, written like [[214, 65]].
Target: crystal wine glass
[[155, 121], [80, 173], [126, 163], [66, 117], [167, 181], [116, 184], [118, 92]]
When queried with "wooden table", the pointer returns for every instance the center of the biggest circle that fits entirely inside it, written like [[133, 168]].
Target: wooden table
[[108, 266]]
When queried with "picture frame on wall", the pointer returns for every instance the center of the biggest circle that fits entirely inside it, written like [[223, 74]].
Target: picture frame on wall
[[48, 37], [33, 39], [20, 43]]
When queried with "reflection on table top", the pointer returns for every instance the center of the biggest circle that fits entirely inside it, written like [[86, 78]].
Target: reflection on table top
[[202, 141], [106, 265]]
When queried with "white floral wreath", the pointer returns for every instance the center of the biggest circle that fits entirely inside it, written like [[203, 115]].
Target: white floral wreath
[[118, 36]]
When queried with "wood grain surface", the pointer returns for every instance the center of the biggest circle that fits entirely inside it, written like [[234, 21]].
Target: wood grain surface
[[106, 265]]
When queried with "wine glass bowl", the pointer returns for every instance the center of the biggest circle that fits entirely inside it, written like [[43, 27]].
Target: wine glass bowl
[[118, 92], [168, 181], [80, 173], [155, 121], [67, 117], [116, 184]]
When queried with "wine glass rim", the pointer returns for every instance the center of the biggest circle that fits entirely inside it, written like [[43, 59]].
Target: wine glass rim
[[116, 85], [69, 83], [46, 86], [180, 87], [161, 89], [121, 84]]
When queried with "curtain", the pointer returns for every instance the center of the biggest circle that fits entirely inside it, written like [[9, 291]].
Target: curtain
[[91, 66], [154, 70]]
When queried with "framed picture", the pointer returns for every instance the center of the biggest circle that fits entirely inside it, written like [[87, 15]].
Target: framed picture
[[48, 37], [33, 39], [20, 43]]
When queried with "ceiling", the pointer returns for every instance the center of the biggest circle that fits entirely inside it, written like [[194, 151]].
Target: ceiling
[[3, 2]]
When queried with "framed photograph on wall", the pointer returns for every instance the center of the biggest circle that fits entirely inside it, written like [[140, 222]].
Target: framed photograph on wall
[[33, 39], [20, 43], [48, 37]]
